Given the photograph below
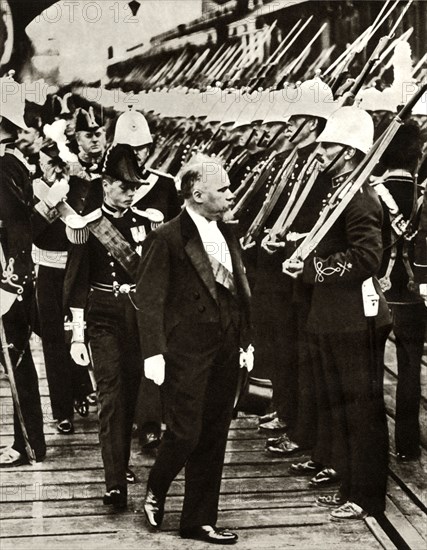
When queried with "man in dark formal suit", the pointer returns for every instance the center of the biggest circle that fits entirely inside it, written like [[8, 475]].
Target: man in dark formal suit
[[193, 313]]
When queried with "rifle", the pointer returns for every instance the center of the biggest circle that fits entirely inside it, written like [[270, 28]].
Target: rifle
[[273, 195], [344, 194], [270, 64], [247, 192], [296, 63], [302, 186], [374, 59]]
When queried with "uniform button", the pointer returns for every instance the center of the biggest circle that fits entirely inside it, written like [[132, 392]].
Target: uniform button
[[196, 295], [84, 199], [108, 253], [201, 308], [113, 274], [112, 264]]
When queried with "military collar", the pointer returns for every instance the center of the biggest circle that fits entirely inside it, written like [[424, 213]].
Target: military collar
[[114, 212], [340, 179]]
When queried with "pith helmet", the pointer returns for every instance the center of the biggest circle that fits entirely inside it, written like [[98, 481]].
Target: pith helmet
[[132, 129], [349, 126], [310, 98]]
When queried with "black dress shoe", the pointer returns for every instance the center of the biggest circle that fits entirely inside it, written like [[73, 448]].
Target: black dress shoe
[[65, 426], [408, 457], [149, 440], [117, 497], [206, 533], [130, 476], [267, 417], [81, 406], [154, 509]]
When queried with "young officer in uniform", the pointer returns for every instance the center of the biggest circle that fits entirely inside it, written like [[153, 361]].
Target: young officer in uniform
[[101, 281], [159, 192], [17, 277], [348, 338]]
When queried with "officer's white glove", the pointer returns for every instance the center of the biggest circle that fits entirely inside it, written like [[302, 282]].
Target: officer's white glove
[[6, 301], [57, 193], [247, 358], [423, 292], [154, 369], [79, 353]]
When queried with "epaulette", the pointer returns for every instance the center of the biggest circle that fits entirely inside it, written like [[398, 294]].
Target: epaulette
[[20, 156], [152, 214]]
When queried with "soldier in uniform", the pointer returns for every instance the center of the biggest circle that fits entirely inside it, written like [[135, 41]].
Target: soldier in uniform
[[91, 142], [158, 191], [283, 311], [101, 281], [398, 192], [348, 333], [67, 382], [17, 277]]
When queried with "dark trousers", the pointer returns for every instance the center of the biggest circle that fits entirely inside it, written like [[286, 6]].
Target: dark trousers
[[275, 341], [66, 379], [17, 325], [117, 365], [199, 391], [409, 326], [352, 417]]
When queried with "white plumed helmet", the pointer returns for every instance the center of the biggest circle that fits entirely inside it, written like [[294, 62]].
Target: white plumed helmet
[[132, 129], [349, 126]]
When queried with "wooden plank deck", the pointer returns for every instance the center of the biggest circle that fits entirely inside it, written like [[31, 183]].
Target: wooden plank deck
[[58, 503]]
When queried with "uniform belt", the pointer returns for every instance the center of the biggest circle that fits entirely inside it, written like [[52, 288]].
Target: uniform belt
[[292, 236], [117, 288], [50, 258]]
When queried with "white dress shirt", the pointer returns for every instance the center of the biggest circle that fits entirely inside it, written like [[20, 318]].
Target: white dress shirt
[[212, 239]]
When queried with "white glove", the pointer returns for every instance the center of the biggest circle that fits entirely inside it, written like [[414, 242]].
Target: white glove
[[77, 324], [247, 358], [154, 369], [57, 193], [423, 292], [79, 354], [6, 301]]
